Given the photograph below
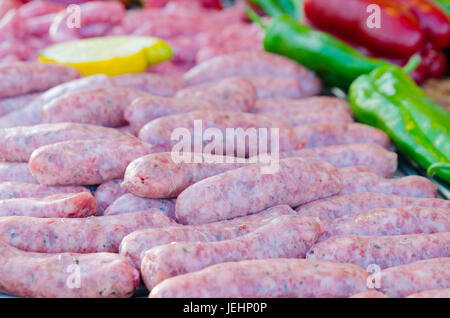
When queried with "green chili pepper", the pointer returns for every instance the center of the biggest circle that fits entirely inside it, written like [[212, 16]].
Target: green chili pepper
[[270, 7], [389, 99], [289, 8], [337, 63], [275, 8]]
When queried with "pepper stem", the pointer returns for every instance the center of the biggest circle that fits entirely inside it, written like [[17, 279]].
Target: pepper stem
[[412, 64], [254, 17], [437, 166]]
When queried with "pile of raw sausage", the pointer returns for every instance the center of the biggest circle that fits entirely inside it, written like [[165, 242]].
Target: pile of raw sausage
[[330, 222], [195, 33]]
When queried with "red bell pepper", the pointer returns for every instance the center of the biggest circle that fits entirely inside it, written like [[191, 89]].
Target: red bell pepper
[[432, 19], [399, 36], [432, 65]]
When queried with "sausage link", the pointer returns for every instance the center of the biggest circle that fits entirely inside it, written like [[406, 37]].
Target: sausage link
[[148, 108], [90, 13], [38, 8], [305, 111], [29, 77], [107, 193], [247, 190], [404, 280], [329, 134], [286, 236], [267, 278], [98, 106], [12, 27], [129, 203], [158, 176], [410, 186], [40, 25], [85, 161], [158, 132], [17, 143], [384, 251], [10, 104], [268, 86], [369, 294], [396, 221], [433, 293], [31, 114], [134, 245], [155, 84], [251, 64], [382, 161], [16, 172], [299, 117], [13, 190], [87, 82], [349, 204], [232, 94], [78, 235], [76, 205], [313, 104], [26, 274]]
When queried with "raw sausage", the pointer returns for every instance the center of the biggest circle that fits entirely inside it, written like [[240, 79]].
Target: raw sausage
[[10, 104], [148, 108], [16, 171], [90, 13], [305, 111], [85, 161], [129, 203], [134, 245], [404, 280], [433, 293], [410, 186], [313, 104], [98, 106], [250, 64], [107, 193], [76, 205], [29, 77], [329, 134], [17, 143], [301, 117], [267, 278], [155, 84], [382, 161], [395, 221], [31, 114], [285, 237], [27, 274], [158, 132], [369, 294], [349, 204], [40, 25], [384, 251], [12, 190], [39, 7], [268, 86], [232, 94], [158, 176], [79, 235], [247, 190]]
